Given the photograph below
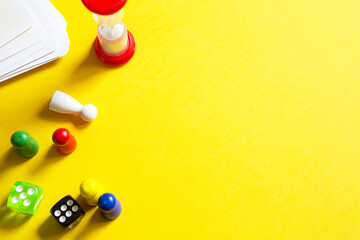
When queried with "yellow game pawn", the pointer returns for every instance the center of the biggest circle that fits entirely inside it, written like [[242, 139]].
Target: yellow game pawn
[[90, 190]]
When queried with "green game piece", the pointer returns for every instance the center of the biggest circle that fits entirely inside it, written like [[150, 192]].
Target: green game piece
[[25, 198], [25, 145]]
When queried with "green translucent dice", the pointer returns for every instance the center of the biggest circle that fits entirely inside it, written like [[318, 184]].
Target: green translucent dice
[[25, 197]]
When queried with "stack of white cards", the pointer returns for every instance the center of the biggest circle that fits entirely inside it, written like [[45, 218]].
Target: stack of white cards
[[32, 33]]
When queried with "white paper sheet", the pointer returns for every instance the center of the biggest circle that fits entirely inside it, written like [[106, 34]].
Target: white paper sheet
[[34, 35], [14, 20], [54, 43]]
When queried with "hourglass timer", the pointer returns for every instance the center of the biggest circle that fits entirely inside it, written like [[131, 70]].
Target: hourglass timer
[[114, 45]]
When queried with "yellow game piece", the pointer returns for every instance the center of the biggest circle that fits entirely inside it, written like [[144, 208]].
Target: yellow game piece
[[90, 190]]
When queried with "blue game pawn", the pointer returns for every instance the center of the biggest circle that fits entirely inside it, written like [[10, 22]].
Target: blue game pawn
[[109, 206]]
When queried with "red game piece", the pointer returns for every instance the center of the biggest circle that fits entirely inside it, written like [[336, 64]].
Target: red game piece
[[64, 142]]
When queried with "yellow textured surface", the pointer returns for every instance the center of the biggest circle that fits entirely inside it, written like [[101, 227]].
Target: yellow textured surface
[[234, 120]]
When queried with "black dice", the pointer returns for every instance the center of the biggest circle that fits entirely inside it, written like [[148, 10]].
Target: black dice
[[67, 212]]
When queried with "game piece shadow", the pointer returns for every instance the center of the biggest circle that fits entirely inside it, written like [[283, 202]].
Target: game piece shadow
[[47, 114], [11, 159], [92, 63], [94, 224], [50, 229], [10, 219], [82, 203], [51, 157], [30, 72], [90, 66]]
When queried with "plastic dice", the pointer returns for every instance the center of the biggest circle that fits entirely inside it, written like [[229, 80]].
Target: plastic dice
[[67, 212], [25, 197]]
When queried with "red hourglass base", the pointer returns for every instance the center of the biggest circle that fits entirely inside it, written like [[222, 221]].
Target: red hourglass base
[[116, 60]]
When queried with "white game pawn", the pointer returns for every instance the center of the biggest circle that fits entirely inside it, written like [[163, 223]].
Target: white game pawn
[[63, 103]]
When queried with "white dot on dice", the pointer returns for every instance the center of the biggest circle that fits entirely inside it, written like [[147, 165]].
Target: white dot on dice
[[23, 195], [57, 213], [63, 208], [75, 208], [62, 219], [19, 188], [31, 191], [15, 200], [26, 202], [68, 213], [70, 202]]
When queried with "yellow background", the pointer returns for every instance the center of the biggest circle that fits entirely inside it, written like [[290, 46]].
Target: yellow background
[[234, 120]]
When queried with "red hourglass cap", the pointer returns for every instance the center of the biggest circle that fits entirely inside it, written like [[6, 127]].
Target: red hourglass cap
[[104, 7]]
